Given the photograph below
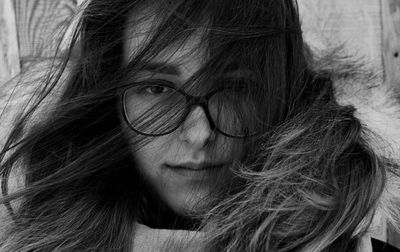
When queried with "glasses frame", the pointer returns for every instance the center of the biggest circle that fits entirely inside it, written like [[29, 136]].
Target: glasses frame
[[191, 102]]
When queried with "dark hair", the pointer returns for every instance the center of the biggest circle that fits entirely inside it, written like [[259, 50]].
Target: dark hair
[[309, 177]]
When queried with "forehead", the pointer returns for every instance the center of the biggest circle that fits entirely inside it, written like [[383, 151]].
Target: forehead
[[140, 28]]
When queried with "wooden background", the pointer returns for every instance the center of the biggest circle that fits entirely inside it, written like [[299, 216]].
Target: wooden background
[[368, 29]]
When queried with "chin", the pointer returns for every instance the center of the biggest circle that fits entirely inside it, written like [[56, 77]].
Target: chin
[[188, 206]]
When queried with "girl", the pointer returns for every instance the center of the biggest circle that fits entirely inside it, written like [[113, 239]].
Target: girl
[[189, 115]]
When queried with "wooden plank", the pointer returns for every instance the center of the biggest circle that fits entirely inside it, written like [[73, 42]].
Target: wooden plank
[[391, 61], [40, 25], [391, 42], [9, 57]]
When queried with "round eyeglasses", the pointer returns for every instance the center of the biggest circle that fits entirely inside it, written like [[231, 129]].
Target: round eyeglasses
[[156, 108]]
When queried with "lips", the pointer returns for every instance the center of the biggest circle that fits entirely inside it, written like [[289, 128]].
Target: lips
[[195, 171], [196, 166]]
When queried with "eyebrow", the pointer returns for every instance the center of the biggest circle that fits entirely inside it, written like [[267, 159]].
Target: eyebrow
[[163, 68]]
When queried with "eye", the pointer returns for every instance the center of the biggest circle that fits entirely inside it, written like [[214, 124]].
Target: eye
[[156, 87], [237, 84]]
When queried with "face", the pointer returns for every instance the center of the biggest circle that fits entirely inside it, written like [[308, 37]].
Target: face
[[182, 167]]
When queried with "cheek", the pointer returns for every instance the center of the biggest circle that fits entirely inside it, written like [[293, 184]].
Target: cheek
[[227, 149], [151, 155]]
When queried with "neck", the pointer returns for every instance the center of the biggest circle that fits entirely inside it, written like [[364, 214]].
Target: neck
[[154, 213]]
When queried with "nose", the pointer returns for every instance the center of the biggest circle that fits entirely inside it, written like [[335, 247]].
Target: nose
[[196, 130]]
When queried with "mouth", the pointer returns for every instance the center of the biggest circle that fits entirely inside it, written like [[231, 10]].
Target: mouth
[[196, 170], [196, 167]]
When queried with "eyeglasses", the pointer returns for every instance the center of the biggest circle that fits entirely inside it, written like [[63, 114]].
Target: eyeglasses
[[156, 108]]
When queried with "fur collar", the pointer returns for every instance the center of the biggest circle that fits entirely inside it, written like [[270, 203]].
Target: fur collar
[[378, 109]]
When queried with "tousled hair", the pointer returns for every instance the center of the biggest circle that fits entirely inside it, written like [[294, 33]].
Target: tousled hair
[[306, 183], [315, 187]]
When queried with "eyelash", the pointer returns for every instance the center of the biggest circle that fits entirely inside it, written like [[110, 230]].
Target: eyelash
[[145, 86], [148, 89]]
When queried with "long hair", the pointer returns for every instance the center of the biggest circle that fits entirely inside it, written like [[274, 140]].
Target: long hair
[[317, 182], [315, 187], [82, 192]]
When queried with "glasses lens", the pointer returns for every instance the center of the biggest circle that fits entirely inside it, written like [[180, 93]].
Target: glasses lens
[[154, 109], [234, 112]]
